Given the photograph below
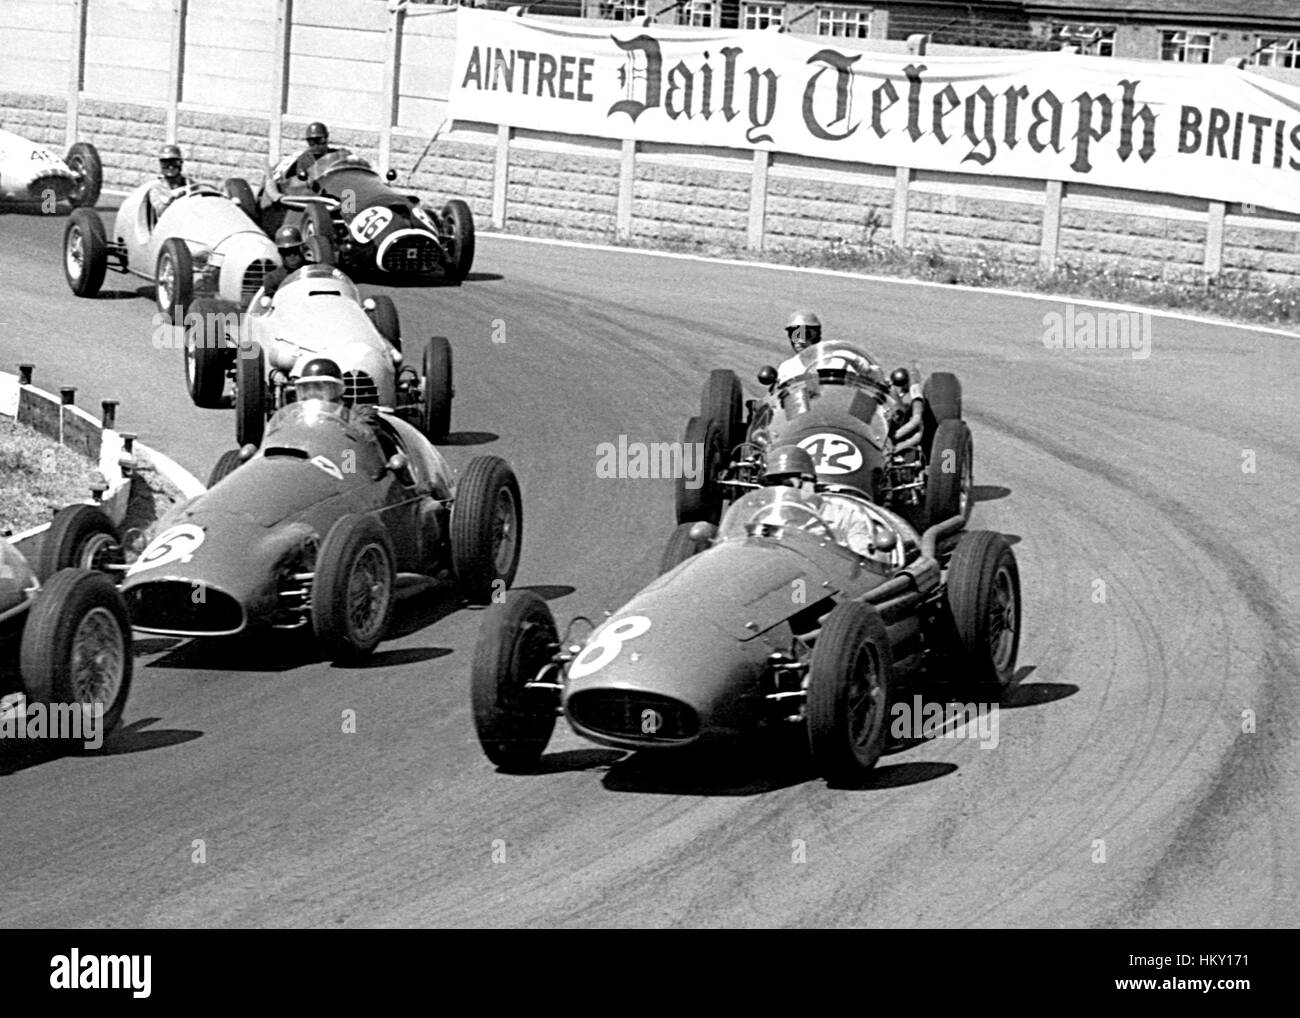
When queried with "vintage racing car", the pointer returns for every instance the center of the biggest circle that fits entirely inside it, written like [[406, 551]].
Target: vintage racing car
[[841, 419], [366, 223], [65, 641], [312, 530], [203, 243], [316, 311], [32, 173], [770, 618]]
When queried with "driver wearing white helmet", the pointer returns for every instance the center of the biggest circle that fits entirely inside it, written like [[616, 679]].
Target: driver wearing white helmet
[[804, 330]]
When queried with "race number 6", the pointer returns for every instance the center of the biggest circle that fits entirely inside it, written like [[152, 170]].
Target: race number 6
[[607, 644]]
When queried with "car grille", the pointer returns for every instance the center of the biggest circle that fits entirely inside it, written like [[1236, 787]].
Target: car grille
[[359, 387], [54, 183], [416, 252], [633, 715], [253, 276], [168, 606]]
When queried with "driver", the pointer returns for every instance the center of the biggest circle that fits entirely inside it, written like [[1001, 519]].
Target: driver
[[848, 522], [318, 144], [804, 330], [293, 256], [321, 379], [162, 192], [907, 418]]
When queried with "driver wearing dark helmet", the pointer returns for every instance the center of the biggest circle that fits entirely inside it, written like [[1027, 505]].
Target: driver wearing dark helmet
[[170, 179], [293, 256], [907, 418], [849, 523], [318, 144]]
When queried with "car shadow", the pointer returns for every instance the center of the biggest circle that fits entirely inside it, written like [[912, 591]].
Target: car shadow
[[135, 737], [988, 492], [470, 438]]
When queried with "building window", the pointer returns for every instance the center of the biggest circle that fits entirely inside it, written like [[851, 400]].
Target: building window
[[624, 10], [1186, 47], [844, 22], [763, 15], [1091, 40], [1276, 52], [700, 13]]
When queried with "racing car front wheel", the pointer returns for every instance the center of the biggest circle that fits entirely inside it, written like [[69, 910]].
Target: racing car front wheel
[[174, 279], [487, 523], [949, 474], [680, 547], [82, 537], [85, 252], [352, 591], [226, 464], [250, 395], [437, 389], [318, 230], [384, 316], [515, 643], [723, 402], [76, 648], [460, 224], [849, 685], [699, 496], [83, 160], [208, 351], [238, 191], [983, 592]]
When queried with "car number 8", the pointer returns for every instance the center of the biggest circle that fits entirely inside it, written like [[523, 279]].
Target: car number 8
[[605, 646]]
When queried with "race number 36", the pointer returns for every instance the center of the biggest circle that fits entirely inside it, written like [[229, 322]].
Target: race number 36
[[832, 454], [369, 223], [607, 644]]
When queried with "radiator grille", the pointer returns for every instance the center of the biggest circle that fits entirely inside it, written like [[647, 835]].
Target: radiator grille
[[359, 388], [416, 252], [253, 276], [168, 606], [633, 715]]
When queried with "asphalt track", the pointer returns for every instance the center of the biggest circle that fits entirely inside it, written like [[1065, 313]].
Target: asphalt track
[[1126, 727]]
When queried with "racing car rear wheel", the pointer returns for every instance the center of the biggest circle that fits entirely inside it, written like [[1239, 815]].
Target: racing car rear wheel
[[849, 685], [437, 389], [487, 522], [352, 592], [225, 466], [82, 537], [516, 641], [250, 395], [238, 191], [942, 391], [948, 476], [384, 317], [983, 592], [700, 497], [76, 647], [723, 402], [460, 224], [209, 351], [85, 252], [318, 231], [680, 547], [83, 158], [174, 275]]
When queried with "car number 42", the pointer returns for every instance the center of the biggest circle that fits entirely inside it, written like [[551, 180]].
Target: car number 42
[[607, 644]]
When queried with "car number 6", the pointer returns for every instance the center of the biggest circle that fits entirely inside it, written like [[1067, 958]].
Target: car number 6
[[605, 646]]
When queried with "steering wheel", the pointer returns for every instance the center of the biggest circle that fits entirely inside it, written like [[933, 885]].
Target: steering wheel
[[188, 190], [814, 524]]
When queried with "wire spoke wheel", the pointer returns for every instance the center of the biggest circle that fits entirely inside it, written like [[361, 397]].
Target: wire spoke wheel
[[76, 252], [1003, 624], [98, 656], [369, 590], [505, 531]]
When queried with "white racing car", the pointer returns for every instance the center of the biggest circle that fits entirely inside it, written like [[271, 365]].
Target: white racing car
[[32, 173], [202, 243], [315, 312]]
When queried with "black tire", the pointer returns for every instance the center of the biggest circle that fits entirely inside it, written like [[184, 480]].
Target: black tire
[[174, 278], [239, 192], [80, 537], [384, 317], [680, 547], [317, 223], [983, 591], [208, 352], [949, 474], [723, 402], [76, 645], [704, 501], [849, 687], [487, 526], [460, 225], [354, 588], [85, 252], [250, 396], [942, 392], [224, 466], [436, 389], [83, 157], [516, 640]]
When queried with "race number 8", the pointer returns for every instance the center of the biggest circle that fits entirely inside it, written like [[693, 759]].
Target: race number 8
[[607, 644]]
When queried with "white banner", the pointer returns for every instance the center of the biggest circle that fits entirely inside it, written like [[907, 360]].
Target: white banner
[[1206, 131]]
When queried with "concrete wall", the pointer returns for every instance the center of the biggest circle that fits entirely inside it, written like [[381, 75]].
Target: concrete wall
[[245, 76]]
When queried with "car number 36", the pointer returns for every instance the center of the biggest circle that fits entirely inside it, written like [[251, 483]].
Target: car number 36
[[607, 644]]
